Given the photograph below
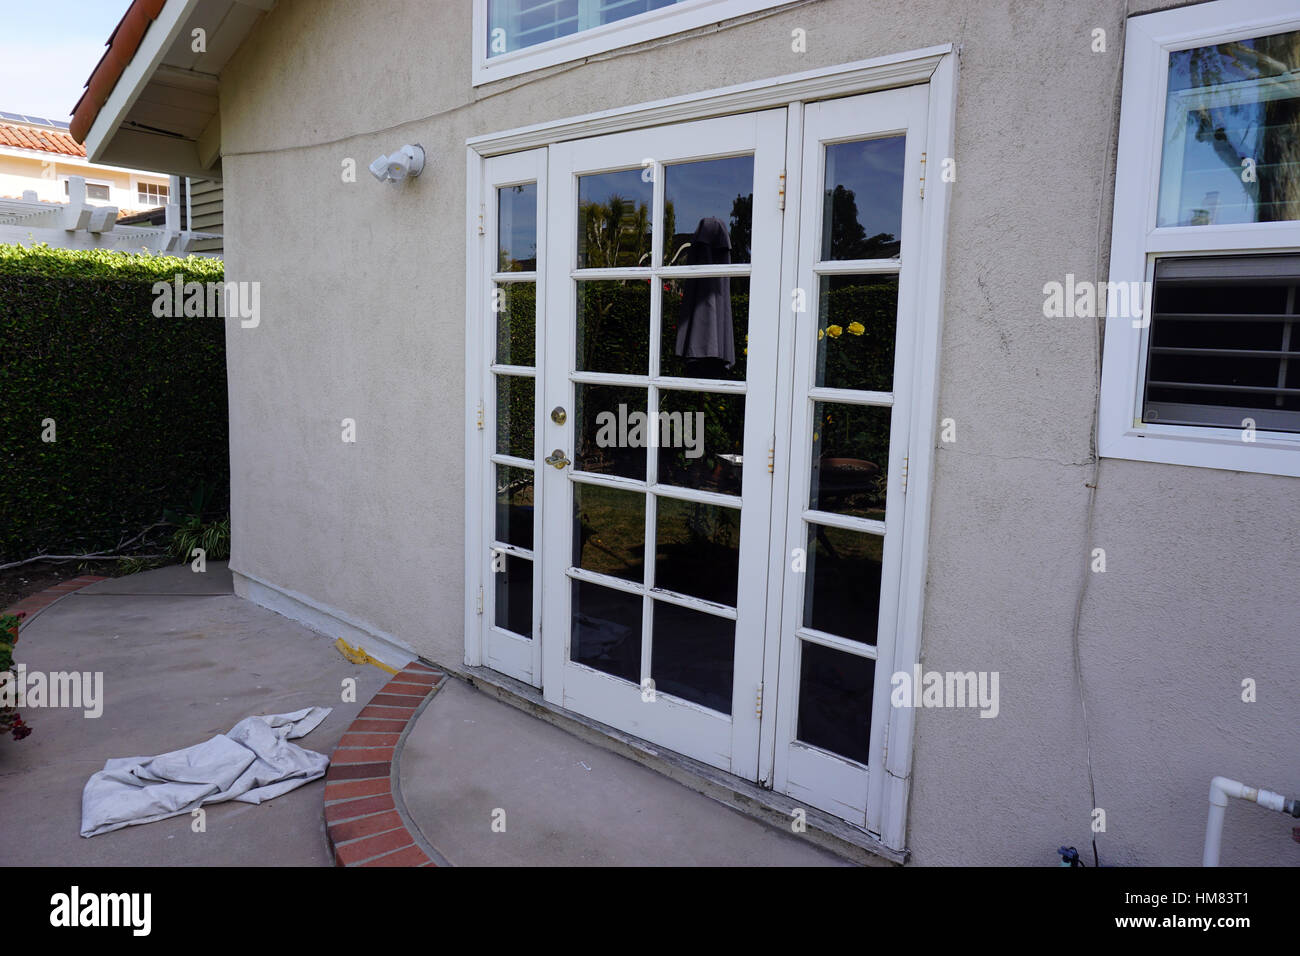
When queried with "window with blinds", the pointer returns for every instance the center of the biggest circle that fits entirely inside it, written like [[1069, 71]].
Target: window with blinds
[[1223, 347], [517, 24]]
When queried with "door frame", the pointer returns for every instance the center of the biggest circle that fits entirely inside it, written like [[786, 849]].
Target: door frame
[[936, 66]]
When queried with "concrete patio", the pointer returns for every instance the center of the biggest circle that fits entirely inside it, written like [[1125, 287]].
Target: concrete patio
[[563, 801], [184, 659]]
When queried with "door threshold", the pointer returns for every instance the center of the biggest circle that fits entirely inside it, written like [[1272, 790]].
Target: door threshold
[[774, 809]]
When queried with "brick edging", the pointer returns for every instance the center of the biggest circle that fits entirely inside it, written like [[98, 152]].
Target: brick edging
[[362, 816], [33, 604]]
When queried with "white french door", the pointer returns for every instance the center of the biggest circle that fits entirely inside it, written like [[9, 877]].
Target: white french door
[[850, 395], [512, 287], [662, 308], [696, 416]]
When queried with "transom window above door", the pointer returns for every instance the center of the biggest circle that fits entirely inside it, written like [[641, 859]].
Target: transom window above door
[[515, 36]]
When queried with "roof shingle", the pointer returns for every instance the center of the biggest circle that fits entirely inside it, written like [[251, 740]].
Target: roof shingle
[[121, 48], [45, 140]]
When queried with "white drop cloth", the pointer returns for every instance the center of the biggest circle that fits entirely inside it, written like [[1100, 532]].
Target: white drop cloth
[[252, 763]]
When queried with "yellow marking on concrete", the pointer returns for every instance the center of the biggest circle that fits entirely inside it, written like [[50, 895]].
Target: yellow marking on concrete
[[357, 656]]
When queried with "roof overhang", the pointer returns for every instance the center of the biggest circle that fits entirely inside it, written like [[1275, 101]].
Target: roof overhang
[[151, 102]]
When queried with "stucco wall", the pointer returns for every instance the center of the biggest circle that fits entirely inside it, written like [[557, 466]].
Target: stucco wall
[[363, 317]]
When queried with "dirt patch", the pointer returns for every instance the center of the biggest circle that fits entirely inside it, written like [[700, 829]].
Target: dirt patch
[[26, 580]]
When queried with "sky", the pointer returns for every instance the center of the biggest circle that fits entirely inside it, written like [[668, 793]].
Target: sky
[[47, 50]]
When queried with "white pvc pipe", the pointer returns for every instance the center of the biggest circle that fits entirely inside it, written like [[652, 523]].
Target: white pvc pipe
[[1221, 788]]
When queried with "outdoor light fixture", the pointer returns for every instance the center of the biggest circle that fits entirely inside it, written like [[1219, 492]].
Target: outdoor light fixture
[[407, 161]]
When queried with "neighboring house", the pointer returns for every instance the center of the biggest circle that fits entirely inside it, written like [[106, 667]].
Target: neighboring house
[[39, 162], [204, 212], [200, 204], [39, 155], [773, 215]]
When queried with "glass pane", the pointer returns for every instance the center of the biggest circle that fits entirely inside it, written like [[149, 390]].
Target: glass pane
[[614, 219], [692, 656], [516, 24], [1232, 121], [863, 212], [609, 531], [515, 416], [842, 593], [517, 228], [514, 506], [701, 436], [614, 326], [697, 550], [514, 595], [609, 428], [606, 630], [611, 10], [705, 328], [857, 317], [708, 211], [835, 691], [850, 459], [516, 309]]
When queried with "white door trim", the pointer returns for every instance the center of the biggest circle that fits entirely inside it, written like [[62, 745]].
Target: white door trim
[[940, 134], [937, 65]]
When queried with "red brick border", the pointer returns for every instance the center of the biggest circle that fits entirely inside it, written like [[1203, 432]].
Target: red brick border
[[33, 604], [361, 815]]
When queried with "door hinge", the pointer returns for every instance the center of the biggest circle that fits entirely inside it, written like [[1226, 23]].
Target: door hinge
[[480, 414], [771, 455], [758, 702], [905, 459], [923, 175], [481, 231], [480, 600], [780, 191]]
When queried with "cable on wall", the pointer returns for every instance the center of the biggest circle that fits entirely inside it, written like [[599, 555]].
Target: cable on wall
[[1094, 457]]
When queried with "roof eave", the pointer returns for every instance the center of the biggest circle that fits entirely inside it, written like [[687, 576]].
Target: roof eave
[[107, 142], [152, 46]]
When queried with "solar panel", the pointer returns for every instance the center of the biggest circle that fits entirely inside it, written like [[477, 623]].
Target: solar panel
[[37, 120]]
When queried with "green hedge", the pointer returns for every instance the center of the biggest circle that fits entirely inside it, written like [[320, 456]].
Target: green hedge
[[139, 402]]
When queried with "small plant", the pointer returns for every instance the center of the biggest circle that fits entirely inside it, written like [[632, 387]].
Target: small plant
[[10, 720], [136, 565], [195, 529]]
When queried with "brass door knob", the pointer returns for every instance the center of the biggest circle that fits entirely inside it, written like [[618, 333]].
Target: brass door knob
[[557, 458]]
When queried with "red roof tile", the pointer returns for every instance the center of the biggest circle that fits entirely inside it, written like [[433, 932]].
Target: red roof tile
[[122, 45], [45, 140]]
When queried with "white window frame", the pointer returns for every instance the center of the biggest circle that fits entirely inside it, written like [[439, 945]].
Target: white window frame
[[141, 184], [936, 66], [67, 188], [1136, 242], [686, 15]]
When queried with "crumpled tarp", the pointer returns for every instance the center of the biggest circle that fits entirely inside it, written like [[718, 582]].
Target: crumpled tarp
[[252, 763]]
